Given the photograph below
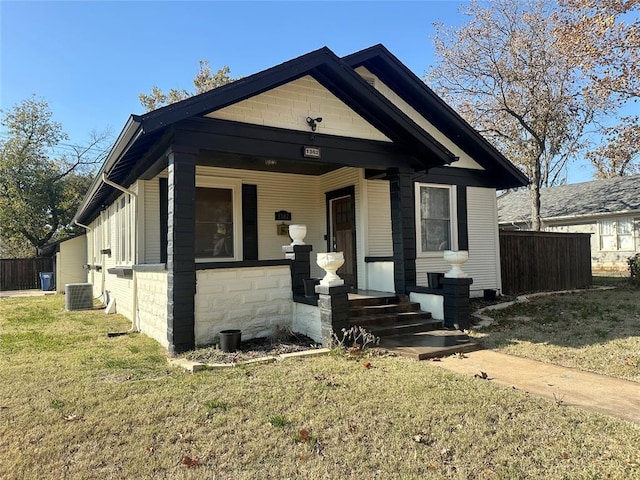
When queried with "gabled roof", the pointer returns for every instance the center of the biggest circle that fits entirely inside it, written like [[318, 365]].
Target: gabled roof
[[382, 63], [599, 197], [335, 76], [144, 132]]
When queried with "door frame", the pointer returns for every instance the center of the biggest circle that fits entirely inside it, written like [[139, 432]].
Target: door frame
[[349, 191]]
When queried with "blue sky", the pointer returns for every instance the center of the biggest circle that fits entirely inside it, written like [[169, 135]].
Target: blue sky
[[90, 60]]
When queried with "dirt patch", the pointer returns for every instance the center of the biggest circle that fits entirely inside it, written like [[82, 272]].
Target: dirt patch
[[255, 348]]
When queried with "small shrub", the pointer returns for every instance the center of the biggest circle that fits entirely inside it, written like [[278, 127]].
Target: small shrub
[[634, 269], [354, 341]]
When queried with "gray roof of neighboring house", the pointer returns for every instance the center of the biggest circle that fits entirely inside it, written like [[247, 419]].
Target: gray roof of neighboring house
[[610, 195]]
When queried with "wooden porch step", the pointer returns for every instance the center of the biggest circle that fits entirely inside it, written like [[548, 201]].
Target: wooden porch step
[[372, 301], [372, 319], [403, 327], [362, 310]]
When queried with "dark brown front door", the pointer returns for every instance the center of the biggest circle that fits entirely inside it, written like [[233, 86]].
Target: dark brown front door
[[343, 236]]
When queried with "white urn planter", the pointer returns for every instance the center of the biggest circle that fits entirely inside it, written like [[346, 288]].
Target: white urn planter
[[456, 259], [330, 262], [297, 234]]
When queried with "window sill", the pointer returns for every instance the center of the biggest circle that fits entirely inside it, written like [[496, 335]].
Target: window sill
[[121, 272]]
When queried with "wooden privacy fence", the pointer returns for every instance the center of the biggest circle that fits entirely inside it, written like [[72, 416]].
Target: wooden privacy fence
[[23, 273], [544, 261]]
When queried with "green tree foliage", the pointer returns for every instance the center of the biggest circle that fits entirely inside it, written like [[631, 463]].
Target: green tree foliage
[[505, 72], [603, 38], [204, 81], [40, 190]]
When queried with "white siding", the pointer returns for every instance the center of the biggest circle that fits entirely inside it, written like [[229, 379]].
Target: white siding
[[484, 261], [69, 262], [289, 105], [298, 194], [484, 251], [379, 243], [465, 160], [151, 221], [346, 177]]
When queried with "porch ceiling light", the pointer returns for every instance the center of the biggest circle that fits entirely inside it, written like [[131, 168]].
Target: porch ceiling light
[[313, 122], [270, 162]]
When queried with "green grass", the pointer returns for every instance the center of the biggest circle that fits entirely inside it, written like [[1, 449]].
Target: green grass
[[112, 408], [598, 331]]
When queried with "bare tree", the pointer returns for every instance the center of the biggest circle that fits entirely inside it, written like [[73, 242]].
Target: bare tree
[[204, 81], [505, 73], [603, 38]]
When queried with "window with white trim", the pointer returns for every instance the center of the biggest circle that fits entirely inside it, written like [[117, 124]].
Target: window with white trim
[[97, 240], [218, 220], [123, 229], [616, 235], [435, 218]]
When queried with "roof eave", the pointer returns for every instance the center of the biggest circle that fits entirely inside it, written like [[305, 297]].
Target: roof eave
[[379, 53], [131, 131]]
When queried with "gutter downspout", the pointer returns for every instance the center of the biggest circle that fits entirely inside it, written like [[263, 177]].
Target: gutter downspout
[[134, 320], [88, 229]]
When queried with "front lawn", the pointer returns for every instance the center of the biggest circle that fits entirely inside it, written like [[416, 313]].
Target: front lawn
[[76, 404], [595, 330]]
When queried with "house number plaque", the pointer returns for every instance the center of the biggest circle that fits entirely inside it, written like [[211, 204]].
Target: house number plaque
[[283, 216], [311, 152]]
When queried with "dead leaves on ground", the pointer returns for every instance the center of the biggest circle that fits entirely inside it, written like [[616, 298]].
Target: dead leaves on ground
[[190, 462], [482, 375]]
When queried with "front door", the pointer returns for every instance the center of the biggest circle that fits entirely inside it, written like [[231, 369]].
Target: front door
[[342, 236]]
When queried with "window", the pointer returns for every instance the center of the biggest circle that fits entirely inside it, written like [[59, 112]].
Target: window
[[123, 229], [218, 222], [435, 218], [97, 240], [616, 235]]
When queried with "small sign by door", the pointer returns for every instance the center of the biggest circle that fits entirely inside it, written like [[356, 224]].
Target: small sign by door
[[283, 216]]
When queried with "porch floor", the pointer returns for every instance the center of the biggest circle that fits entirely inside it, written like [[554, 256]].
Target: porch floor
[[358, 294], [419, 339]]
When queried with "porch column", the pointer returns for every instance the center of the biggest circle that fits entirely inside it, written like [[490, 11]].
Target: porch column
[[181, 267], [300, 256], [403, 229]]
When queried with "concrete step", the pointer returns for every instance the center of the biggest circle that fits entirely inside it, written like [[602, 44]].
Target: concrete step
[[425, 345]]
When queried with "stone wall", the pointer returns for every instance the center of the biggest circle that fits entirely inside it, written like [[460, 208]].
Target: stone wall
[[152, 305], [255, 300], [306, 320]]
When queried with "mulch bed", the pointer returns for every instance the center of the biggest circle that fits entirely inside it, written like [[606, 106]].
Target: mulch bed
[[255, 348]]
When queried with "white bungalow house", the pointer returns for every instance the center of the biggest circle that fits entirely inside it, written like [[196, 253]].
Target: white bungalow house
[[185, 218]]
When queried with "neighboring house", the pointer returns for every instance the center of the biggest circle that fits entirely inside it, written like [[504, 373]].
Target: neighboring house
[[184, 218], [69, 260], [608, 209]]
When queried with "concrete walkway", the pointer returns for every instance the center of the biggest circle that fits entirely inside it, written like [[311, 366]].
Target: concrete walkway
[[567, 386]]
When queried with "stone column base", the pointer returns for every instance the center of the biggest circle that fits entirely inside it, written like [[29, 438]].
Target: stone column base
[[457, 307], [333, 303]]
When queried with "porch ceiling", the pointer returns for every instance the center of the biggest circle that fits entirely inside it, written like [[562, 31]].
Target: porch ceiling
[[242, 162]]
